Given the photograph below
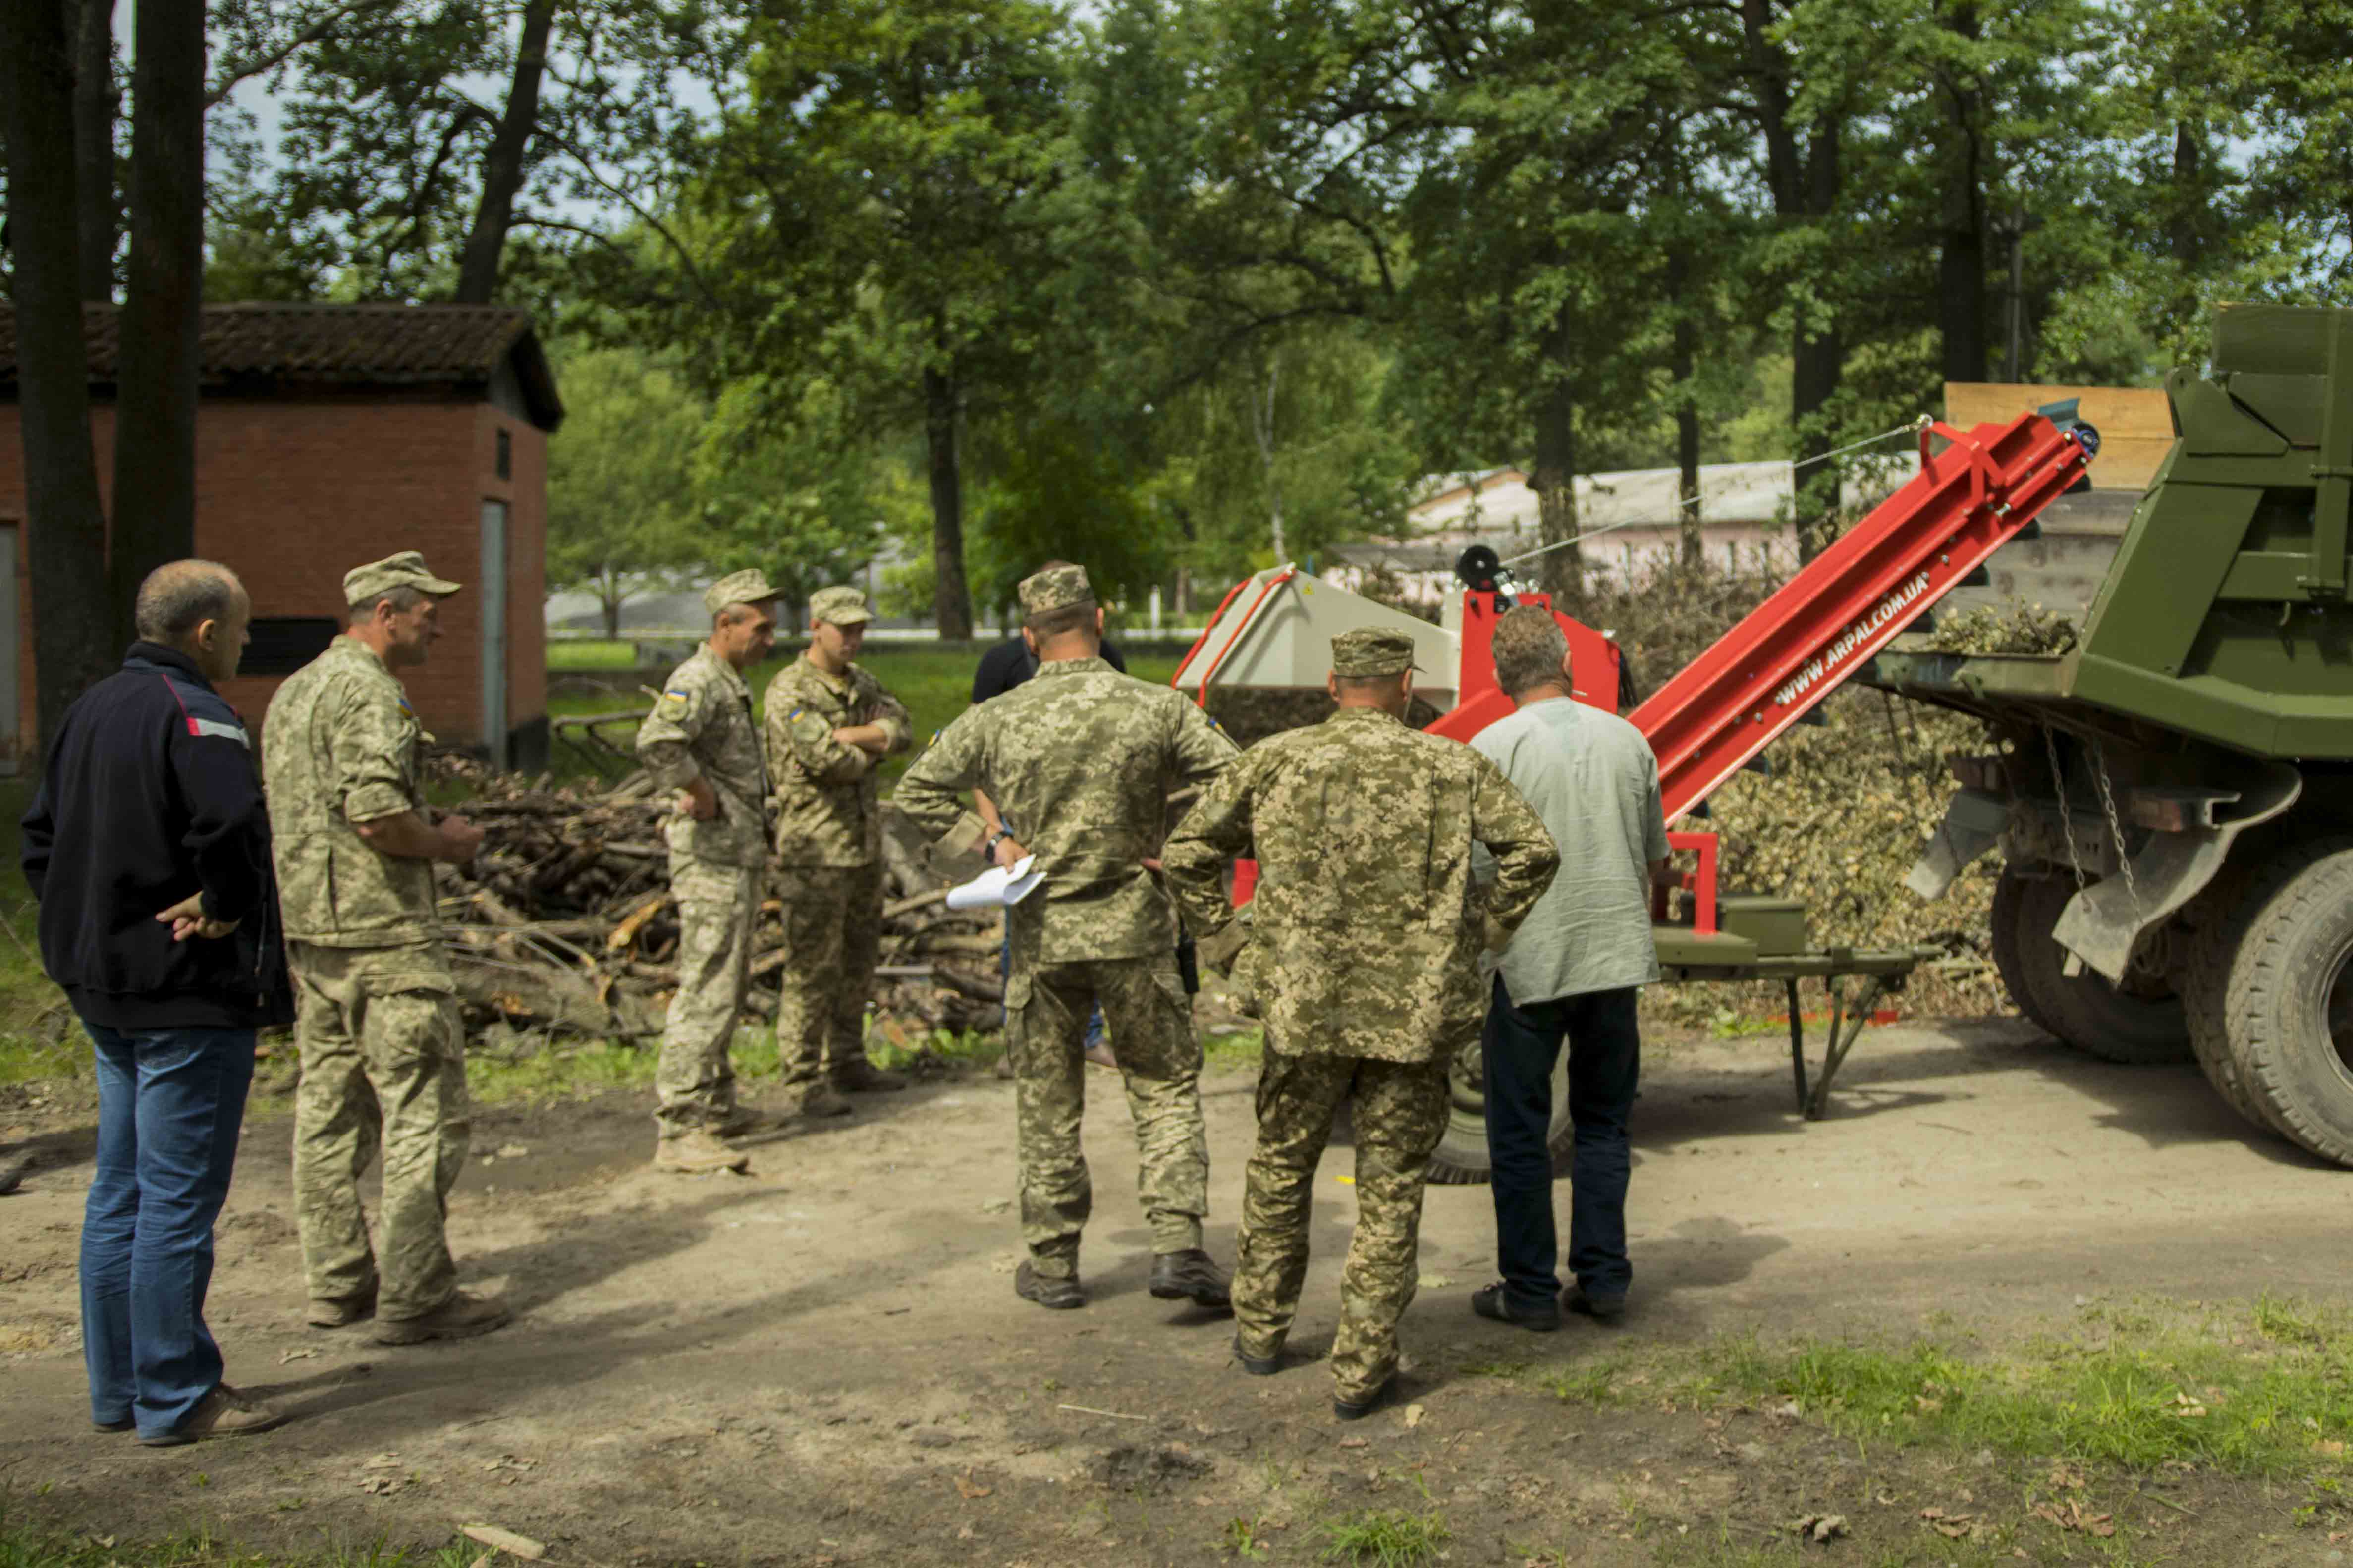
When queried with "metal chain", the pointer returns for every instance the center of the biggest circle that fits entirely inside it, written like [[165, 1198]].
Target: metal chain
[[2066, 813], [2115, 828]]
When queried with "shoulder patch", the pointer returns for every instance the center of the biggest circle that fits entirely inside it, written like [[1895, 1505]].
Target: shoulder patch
[[225, 732]]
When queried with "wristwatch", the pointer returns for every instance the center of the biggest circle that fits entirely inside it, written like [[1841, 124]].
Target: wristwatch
[[988, 850]]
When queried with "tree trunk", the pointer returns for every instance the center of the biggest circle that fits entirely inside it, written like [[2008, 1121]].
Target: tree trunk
[[950, 599], [1684, 351], [503, 165], [2185, 234], [1561, 568], [1961, 261], [95, 106], [155, 395], [1817, 365], [1262, 431], [1805, 179], [64, 542], [608, 600]]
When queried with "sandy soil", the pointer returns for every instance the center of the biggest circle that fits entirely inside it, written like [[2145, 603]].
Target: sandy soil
[[824, 1362]]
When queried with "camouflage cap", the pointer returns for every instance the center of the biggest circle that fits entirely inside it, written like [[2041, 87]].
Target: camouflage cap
[[1372, 651], [365, 584], [1055, 588], [749, 586], [842, 607]]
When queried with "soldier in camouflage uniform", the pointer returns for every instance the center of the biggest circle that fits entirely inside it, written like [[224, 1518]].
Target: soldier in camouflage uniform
[[1078, 764], [1364, 936], [701, 741], [376, 1010], [829, 723]]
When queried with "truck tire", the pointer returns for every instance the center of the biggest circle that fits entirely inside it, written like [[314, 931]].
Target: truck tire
[[1461, 1160], [2288, 1009], [2206, 981], [2084, 1010], [2007, 895]]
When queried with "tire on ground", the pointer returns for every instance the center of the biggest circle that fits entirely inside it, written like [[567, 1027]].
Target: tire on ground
[[2288, 1009], [2084, 1010], [1461, 1157], [2205, 979], [2007, 895]]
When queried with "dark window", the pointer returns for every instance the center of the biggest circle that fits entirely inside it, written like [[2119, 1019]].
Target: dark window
[[284, 644], [506, 456]]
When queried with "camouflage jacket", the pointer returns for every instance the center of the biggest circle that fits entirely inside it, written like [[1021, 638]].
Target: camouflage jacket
[[1079, 761], [703, 728], [1364, 935], [341, 746], [828, 801]]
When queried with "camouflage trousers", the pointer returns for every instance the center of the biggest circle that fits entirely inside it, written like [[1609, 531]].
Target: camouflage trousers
[[833, 937], [1151, 1021], [694, 1081], [1399, 1116], [383, 1066]]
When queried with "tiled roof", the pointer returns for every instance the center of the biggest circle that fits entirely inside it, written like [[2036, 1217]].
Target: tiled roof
[[351, 345]]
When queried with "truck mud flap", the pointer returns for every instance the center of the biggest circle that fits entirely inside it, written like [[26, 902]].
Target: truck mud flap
[[2101, 924], [1972, 825]]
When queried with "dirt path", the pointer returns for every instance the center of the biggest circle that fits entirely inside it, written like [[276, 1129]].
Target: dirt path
[[824, 1362]]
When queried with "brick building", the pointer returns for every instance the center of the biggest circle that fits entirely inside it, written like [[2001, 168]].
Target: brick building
[[332, 434]]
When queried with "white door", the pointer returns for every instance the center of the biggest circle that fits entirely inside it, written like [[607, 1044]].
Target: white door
[[11, 628], [494, 631]]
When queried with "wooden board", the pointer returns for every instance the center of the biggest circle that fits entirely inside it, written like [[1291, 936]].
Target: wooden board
[[2135, 424]]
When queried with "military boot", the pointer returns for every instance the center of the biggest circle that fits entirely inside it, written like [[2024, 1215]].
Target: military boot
[[461, 1317], [1060, 1291], [697, 1153], [1190, 1276], [821, 1099], [859, 1076], [340, 1312], [740, 1122]]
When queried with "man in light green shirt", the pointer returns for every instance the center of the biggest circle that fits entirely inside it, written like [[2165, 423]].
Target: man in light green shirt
[[1572, 972]]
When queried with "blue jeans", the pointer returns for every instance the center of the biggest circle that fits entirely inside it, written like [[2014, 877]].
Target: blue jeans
[[1094, 1036], [170, 1102], [1605, 1054]]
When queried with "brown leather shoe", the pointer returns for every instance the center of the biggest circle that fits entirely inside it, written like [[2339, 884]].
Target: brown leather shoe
[[461, 1317], [222, 1413]]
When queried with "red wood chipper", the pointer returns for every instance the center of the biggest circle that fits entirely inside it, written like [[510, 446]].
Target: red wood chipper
[[1976, 489]]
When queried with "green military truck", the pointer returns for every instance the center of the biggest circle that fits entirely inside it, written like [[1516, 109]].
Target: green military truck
[[2173, 797]]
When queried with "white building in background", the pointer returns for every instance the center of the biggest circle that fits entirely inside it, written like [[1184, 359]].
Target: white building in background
[[1627, 521]]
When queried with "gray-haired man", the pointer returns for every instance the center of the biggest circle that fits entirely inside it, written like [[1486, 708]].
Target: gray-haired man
[[1571, 972]]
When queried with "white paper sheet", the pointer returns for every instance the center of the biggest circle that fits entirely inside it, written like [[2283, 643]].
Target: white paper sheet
[[999, 887]]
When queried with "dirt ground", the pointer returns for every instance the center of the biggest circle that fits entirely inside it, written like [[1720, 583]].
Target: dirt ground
[[824, 1362]]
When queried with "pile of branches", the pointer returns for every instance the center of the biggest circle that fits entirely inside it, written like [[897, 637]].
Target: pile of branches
[[1839, 812], [2010, 628], [564, 922]]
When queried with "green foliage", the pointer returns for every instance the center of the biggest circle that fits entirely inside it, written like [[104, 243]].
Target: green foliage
[[1387, 1538], [622, 515], [799, 499], [1059, 492]]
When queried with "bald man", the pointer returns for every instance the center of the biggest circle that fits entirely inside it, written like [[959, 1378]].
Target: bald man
[[149, 850]]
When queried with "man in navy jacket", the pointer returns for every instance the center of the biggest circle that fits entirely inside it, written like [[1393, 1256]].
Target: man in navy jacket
[[148, 847]]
